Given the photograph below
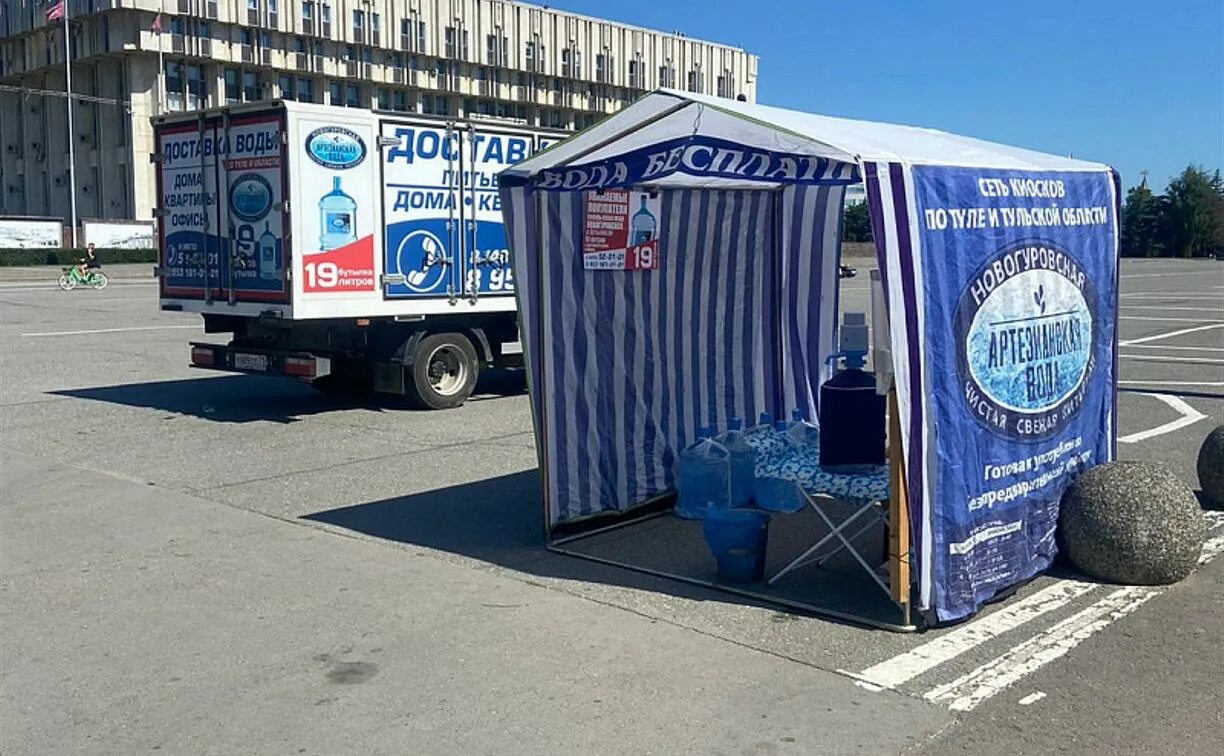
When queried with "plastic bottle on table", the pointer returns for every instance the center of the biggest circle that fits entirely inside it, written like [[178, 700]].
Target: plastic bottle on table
[[704, 477], [743, 463], [802, 433]]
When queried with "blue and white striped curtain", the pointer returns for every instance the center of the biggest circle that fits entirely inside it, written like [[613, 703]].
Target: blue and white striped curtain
[[625, 366]]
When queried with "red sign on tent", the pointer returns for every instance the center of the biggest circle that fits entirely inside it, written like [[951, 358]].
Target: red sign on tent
[[620, 231]]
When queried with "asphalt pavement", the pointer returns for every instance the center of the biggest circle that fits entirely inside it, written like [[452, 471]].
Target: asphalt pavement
[[205, 563]]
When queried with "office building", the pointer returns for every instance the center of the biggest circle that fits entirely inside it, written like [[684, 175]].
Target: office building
[[457, 58]]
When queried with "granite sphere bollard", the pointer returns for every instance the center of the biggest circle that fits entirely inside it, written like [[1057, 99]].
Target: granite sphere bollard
[[1211, 468], [1133, 523]]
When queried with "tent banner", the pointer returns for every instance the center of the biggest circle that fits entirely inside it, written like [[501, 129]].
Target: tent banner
[[701, 156], [1017, 279]]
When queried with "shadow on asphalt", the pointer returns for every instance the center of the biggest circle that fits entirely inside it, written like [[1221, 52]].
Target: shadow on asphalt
[[251, 398], [499, 521]]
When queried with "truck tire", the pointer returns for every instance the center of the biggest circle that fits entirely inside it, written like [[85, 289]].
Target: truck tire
[[443, 371]]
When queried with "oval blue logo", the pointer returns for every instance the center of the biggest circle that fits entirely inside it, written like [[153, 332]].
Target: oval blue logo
[[1026, 337], [335, 147], [250, 197]]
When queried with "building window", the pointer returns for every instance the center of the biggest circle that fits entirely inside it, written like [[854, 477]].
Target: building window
[[350, 54], [603, 67], [399, 101], [352, 96], [571, 63], [246, 37], [694, 81], [384, 99], [367, 55], [232, 95], [308, 11], [299, 45], [287, 92], [375, 29], [496, 50], [637, 75], [197, 94], [333, 93], [272, 15], [451, 36], [203, 29], [530, 57], [359, 26], [250, 86], [174, 85], [305, 89], [252, 5], [326, 20], [667, 77], [725, 85]]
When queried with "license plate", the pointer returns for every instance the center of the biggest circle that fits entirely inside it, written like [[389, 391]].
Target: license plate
[[251, 362]]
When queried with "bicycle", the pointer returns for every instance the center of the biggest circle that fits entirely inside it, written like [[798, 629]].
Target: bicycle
[[72, 277]]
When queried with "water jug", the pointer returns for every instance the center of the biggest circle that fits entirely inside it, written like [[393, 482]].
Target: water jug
[[803, 434], [763, 438], [743, 463], [704, 477], [851, 422]]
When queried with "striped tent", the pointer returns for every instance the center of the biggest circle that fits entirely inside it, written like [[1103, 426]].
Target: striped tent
[[740, 317]]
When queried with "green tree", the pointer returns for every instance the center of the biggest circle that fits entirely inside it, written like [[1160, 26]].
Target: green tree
[[1194, 213], [856, 226], [1142, 223]]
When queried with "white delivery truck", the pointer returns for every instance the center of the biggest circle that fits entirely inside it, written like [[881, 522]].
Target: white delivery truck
[[351, 249]]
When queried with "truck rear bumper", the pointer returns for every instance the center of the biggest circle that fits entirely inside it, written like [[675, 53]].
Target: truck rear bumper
[[302, 366]]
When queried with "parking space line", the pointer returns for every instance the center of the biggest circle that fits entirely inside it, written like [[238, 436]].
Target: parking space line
[[1189, 416], [1169, 359], [115, 330], [970, 690], [1166, 347], [905, 667], [1171, 383], [1169, 335]]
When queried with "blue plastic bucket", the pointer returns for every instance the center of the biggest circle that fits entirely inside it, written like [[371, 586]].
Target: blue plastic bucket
[[737, 539]]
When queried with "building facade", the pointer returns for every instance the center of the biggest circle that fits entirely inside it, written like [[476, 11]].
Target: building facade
[[456, 58]]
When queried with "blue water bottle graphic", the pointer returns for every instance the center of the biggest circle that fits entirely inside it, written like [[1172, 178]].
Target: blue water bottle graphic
[[643, 224], [337, 218], [267, 253]]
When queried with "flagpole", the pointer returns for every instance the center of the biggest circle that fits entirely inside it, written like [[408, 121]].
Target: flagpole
[[71, 134]]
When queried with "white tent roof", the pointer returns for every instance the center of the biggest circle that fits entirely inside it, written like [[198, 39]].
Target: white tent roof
[[668, 115]]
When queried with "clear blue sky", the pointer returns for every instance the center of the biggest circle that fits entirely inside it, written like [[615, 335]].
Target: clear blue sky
[[1136, 84]]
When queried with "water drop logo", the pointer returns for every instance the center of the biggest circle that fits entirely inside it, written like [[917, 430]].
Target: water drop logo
[[250, 197], [421, 258], [1026, 337], [336, 148]]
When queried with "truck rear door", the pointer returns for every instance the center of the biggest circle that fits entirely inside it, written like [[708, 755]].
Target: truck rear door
[[223, 221], [422, 197]]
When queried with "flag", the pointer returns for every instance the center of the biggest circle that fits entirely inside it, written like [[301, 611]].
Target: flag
[[156, 27], [56, 12]]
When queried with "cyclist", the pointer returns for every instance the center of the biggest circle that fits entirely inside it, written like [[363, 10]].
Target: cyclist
[[90, 263]]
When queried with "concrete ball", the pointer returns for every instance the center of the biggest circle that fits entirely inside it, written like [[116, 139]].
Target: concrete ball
[[1133, 523], [1211, 468]]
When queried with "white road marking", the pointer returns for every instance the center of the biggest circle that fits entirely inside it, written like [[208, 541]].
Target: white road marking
[[1032, 698], [1169, 335], [1216, 310], [1168, 295], [1175, 348], [1211, 549], [1168, 320], [1171, 383], [1189, 416], [1161, 275], [905, 667], [1169, 359], [1214, 519], [968, 691], [115, 330]]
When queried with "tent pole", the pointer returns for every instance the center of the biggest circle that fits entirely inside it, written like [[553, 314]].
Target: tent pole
[[898, 512], [545, 502]]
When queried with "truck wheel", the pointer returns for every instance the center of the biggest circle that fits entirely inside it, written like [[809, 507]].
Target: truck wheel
[[443, 371]]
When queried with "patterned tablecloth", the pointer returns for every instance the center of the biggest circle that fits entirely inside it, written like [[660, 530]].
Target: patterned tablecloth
[[802, 465]]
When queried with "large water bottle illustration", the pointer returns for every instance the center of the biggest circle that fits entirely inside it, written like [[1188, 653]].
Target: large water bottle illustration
[[337, 218], [643, 224], [267, 253]]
